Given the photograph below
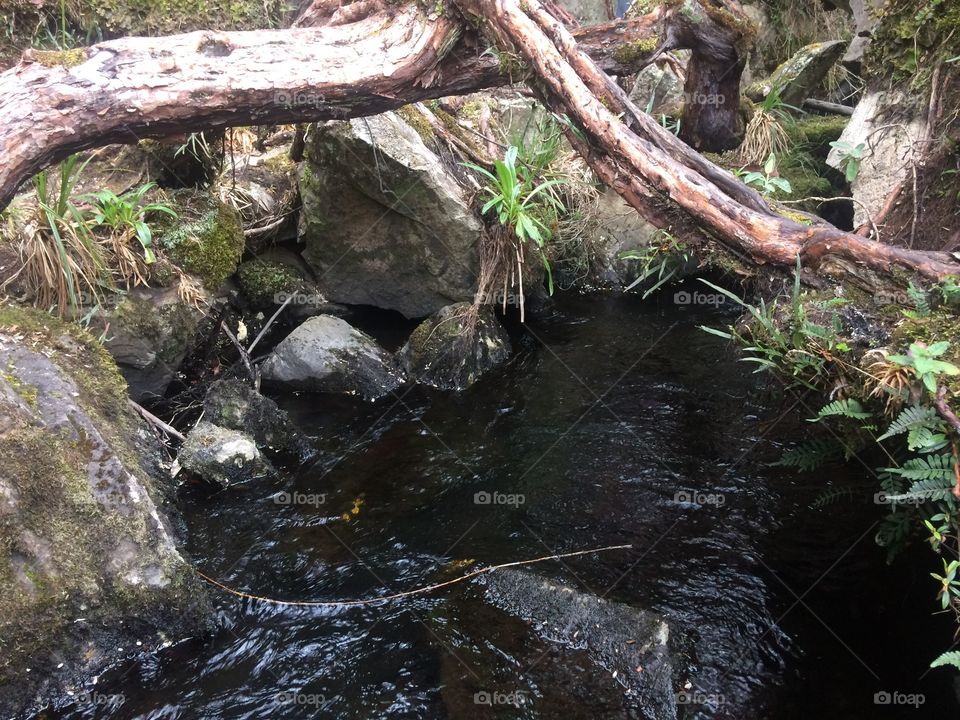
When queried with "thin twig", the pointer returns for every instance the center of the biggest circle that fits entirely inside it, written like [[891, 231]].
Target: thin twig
[[244, 355], [409, 593], [269, 323], [156, 422]]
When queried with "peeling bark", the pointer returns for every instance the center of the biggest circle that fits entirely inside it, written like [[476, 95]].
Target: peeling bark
[[368, 57]]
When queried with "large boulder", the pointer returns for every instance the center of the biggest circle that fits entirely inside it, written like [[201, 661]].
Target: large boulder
[[451, 349], [327, 354], [221, 456], [383, 222], [888, 148], [90, 572]]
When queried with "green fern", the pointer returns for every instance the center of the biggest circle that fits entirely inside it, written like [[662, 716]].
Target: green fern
[[809, 455], [932, 467], [925, 440], [948, 658], [921, 302], [931, 489], [911, 418], [849, 408]]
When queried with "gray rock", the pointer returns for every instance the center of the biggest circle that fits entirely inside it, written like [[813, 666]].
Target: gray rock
[[234, 405], [222, 456], [888, 148], [657, 90], [616, 237], [451, 349], [91, 571], [618, 637], [802, 74], [327, 354], [148, 333], [383, 222]]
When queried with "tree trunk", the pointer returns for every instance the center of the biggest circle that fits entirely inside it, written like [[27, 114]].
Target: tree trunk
[[368, 57]]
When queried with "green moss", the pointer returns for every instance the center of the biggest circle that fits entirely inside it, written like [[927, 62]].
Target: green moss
[[815, 132], [206, 239], [415, 120], [166, 17], [59, 58], [635, 51], [169, 328], [913, 37], [262, 281]]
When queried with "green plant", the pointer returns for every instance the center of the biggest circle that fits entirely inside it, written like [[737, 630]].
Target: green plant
[[126, 215], [786, 341], [766, 181], [519, 202], [921, 360], [850, 157], [660, 262], [61, 261]]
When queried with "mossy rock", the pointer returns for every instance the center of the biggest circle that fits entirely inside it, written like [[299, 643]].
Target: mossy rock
[[814, 133], [206, 239], [79, 517], [265, 282], [451, 349]]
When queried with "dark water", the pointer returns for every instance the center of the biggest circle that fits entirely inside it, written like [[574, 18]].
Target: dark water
[[610, 410]]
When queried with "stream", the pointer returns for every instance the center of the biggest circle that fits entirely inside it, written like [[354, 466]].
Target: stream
[[618, 421]]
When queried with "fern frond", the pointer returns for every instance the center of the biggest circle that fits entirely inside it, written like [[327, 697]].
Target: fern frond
[[850, 408], [809, 455], [948, 658], [911, 418], [931, 467]]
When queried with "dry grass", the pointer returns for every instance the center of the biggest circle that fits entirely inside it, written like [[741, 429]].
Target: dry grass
[[764, 135]]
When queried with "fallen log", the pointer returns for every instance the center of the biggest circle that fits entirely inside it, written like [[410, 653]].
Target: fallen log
[[368, 56]]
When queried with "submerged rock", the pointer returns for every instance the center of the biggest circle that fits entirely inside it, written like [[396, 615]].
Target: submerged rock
[[629, 643], [384, 223], [453, 348], [327, 354], [90, 571], [234, 405], [222, 456]]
